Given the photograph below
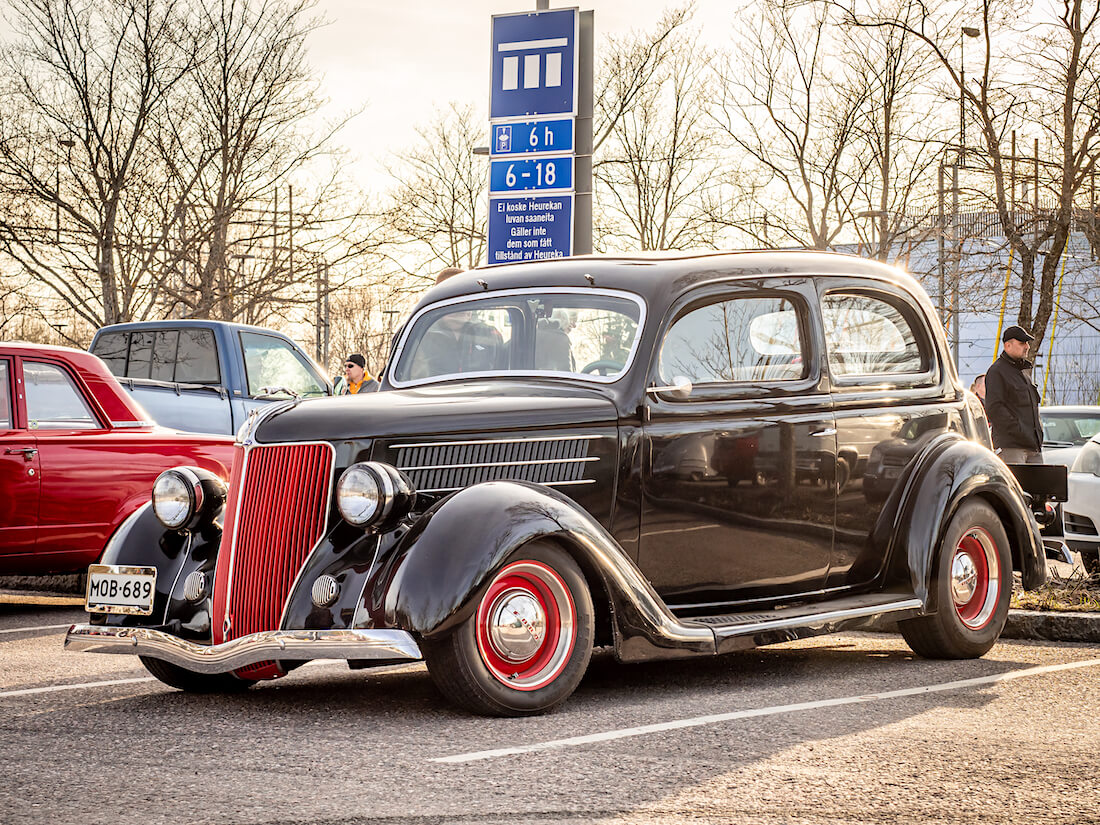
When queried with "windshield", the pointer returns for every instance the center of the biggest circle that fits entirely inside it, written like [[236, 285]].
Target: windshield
[[1069, 429], [273, 367], [591, 334]]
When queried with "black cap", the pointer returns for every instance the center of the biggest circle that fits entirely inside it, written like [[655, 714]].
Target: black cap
[[356, 358], [1017, 333]]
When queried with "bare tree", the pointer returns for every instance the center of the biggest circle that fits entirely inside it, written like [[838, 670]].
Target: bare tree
[[82, 83], [245, 136], [658, 156], [794, 113], [628, 66], [1039, 75], [436, 208], [896, 133]]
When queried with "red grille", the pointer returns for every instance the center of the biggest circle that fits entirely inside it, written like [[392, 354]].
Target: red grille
[[278, 499]]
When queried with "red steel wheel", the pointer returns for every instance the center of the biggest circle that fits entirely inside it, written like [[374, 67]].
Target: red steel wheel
[[526, 625], [526, 645], [975, 578], [969, 588]]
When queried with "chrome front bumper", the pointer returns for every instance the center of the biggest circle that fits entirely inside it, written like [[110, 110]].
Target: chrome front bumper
[[287, 645]]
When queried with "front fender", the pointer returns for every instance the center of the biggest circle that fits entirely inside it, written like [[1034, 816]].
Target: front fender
[[951, 470], [142, 541], [441, 567]]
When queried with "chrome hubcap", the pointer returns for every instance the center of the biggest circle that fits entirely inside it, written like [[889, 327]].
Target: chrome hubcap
[[517, 625], [964, 578], [526, 625], [976, 584]]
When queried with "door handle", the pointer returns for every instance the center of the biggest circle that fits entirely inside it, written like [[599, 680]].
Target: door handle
[[825, 432], [28, 452]]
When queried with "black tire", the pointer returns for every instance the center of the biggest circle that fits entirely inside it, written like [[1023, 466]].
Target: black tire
[[1090, 560], [470, 666], [192, 682], [971, 588]]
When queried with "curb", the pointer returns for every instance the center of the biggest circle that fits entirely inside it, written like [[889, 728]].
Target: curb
[[1052, 626], [1033, 625]]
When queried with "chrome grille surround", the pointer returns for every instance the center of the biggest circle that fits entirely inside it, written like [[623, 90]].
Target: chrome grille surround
[[276, 515], [445, 466]]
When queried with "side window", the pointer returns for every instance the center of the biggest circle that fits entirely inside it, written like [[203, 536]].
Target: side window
[[6, 414], [271, 362], [112, 348], [141, 355], [164, 354], [742, 339], [197, 357], [53, 400], [868, 335]]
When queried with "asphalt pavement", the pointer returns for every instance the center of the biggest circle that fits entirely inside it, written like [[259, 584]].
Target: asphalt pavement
[[837, 730]]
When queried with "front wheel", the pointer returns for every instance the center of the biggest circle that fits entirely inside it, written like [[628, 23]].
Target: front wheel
[[526, 647], [192, 682], [972, 587]]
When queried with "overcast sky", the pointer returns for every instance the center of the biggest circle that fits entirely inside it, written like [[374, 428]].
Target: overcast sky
[[399, 59]]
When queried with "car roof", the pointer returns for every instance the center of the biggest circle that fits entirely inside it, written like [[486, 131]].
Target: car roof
[[109, 394], [657, 275], [184, 323]]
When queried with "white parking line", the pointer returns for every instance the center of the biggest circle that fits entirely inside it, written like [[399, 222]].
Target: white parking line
[[716, 718], [40, 627], [56, 688]]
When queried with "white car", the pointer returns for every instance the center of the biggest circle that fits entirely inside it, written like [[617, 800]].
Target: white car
[[1071, 436]]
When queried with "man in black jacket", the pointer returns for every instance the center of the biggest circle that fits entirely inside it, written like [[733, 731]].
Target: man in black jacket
[[1012, 402]]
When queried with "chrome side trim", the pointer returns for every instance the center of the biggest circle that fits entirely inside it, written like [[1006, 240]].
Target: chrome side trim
[[126, 425], [541, 483], [294, 645], [497, 441], [810, 619], [501, 463]]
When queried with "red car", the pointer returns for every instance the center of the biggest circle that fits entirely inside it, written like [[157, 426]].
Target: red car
[[77, 457]]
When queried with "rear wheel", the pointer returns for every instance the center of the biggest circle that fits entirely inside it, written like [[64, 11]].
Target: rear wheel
[[972, 587], [192, 682], [526, 647]]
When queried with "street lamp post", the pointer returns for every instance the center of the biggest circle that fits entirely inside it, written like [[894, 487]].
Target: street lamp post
[[967, 31], [960, 160]]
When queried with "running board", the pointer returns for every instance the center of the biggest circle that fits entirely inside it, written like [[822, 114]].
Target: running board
[[740, 631]]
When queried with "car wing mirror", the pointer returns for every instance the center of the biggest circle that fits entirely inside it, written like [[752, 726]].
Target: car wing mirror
[[679, 389]]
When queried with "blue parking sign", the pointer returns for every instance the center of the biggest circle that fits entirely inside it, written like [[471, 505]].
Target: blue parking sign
[[534, 64]]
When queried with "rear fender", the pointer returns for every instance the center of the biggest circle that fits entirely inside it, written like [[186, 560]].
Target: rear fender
[[950, 471], [440, 569]]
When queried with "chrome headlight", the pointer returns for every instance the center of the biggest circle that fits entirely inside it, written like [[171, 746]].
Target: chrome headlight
[[1088, 460], [370, 493], [183, 496]]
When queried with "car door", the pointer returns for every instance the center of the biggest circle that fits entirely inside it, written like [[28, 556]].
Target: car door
[[80, 473], [738, 474], [19, 473], [890, 398]]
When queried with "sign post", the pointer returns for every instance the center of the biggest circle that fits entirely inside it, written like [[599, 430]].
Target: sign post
[[535, 66]]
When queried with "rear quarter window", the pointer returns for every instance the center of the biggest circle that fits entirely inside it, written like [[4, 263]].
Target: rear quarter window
[[873, 335], [112, 347]]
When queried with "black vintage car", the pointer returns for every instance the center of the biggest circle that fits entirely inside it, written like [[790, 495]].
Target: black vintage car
[[672, 456]]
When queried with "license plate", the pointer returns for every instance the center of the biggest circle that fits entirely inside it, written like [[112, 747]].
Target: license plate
[[116, 589]]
